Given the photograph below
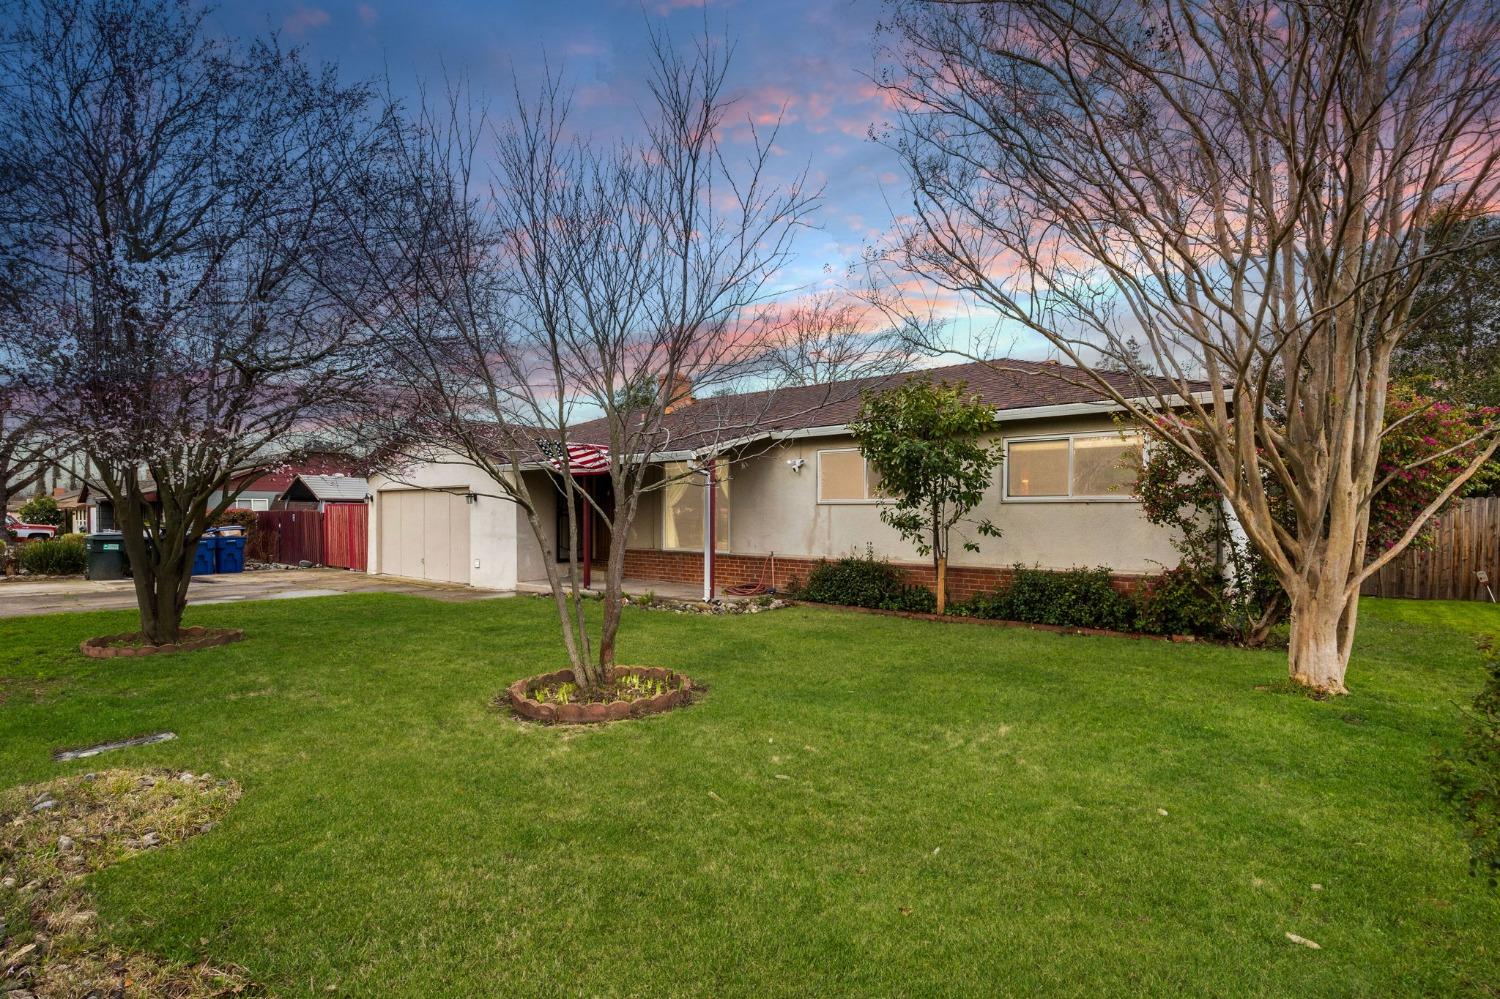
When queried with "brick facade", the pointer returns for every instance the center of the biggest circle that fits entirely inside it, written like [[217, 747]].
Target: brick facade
[[964, 581]]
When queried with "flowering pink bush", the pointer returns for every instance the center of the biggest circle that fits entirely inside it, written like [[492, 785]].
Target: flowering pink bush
[[1414, 464]]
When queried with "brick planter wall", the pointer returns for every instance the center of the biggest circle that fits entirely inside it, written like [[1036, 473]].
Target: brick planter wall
[[687, 567]]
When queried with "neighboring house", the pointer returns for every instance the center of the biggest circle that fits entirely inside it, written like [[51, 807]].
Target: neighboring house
[[265, 492], [799, 488], [315, 492]]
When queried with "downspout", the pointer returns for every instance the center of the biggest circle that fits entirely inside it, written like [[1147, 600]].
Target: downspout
[[710, 516]]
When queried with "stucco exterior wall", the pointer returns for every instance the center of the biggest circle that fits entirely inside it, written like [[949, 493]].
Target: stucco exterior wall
[[529, 554], [492, 519], [776, 509]]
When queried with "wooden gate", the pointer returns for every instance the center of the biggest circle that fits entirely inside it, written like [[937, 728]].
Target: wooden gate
[[345, 535], [1466, 541], [289, 536]]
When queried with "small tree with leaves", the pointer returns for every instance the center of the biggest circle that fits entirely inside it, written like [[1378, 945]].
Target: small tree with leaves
[[41, 510], [924, 442]]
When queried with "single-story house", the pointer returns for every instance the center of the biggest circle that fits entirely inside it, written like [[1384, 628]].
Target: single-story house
[[315, 492], [267, 491], [795, 486]]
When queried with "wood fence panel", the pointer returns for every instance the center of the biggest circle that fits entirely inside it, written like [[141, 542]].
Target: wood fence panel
[[291, 536], [345, 535], [1466, 541]]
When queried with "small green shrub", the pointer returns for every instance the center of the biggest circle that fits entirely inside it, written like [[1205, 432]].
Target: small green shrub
[[1183, 601], [1470, 778], [1073, 598], [60, 557], [864, 581], [993, 606]]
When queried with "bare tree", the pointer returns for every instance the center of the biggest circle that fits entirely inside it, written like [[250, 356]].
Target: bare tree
[[582, 280], [1247, 191], [834, 337], [181, 218], [25, 447]]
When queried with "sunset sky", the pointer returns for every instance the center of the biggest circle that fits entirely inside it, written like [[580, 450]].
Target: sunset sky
[[810, 62]]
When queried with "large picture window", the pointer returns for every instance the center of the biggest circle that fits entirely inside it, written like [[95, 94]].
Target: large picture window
[[682, 503], [845, 477], [1082, 466]]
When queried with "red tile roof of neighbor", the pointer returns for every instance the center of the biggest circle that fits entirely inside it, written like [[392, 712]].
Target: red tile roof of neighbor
[[1006, 384]]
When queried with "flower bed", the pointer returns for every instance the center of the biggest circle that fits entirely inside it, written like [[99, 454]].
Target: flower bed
[[133, 643], [627, 692]]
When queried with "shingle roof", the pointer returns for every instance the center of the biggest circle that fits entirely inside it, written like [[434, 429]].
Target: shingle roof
[[336, 488], [1005, 384]]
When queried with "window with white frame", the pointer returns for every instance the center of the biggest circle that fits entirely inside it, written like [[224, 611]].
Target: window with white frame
[[682, 501], [252, 504], [844, 476], [1075, 466]]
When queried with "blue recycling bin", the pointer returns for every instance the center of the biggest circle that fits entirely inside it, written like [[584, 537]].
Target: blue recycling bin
[[229, 553], [204, 558]]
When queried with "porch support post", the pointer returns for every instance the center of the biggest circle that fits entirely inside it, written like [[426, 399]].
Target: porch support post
[[710, 517], [588, 537]]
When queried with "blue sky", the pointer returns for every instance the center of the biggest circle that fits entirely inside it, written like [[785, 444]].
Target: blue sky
[[810, 62]]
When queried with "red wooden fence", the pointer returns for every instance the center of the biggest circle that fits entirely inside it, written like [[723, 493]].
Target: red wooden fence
[[345, 535], [290, 536], [337, 536]]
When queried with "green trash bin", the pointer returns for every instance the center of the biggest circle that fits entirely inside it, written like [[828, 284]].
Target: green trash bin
[[106, 555]]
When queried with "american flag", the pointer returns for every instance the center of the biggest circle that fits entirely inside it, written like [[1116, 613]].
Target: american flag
[[582, 459]]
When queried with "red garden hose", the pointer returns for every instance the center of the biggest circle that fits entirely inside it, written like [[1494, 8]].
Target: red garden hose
[[758, 587]]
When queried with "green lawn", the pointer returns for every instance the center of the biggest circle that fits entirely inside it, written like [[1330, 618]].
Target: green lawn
[[964, 810]]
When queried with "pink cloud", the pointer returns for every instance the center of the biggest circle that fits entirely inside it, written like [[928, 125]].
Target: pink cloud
[[367, 15], [304, 19]]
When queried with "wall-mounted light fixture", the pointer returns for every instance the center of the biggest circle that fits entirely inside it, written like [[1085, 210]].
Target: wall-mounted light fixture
[[796, 463]]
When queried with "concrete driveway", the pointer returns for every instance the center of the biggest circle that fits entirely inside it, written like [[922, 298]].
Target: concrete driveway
[[19, 598]]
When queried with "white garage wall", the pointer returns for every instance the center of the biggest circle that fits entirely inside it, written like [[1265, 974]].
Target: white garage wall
[[492, 520]]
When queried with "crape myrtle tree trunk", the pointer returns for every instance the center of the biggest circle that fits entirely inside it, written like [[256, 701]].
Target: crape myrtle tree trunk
[[1238, 199], [182, 223], [579, 280]]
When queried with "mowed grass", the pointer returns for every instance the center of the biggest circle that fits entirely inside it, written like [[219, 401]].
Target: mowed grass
[[862, 805]]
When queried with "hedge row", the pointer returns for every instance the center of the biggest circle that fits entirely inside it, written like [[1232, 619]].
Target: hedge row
[[1174, 603]]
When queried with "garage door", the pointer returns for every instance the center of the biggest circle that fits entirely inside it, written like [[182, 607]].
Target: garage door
[[424, 535]]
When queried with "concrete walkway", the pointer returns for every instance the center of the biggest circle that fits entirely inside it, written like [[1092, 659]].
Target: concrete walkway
[[19, 597]]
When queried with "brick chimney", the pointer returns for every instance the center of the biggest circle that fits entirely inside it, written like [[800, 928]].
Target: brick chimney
[[679, 395]]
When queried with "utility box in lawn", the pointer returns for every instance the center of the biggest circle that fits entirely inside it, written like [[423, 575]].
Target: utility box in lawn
[[105, 556]]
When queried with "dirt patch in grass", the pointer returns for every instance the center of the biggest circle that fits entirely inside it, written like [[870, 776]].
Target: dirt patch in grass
[[53, 834]]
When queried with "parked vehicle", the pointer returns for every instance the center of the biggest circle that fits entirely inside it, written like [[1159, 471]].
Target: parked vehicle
[[28, 532]]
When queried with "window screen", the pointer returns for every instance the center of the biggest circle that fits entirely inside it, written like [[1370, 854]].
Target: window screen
[[682, 509], [1038, 468], [841, 476], [1105, 466]]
